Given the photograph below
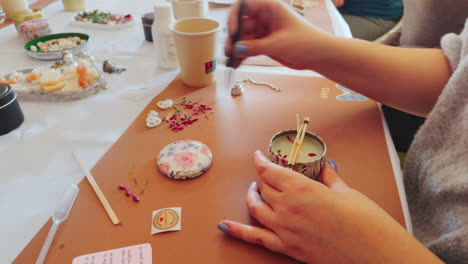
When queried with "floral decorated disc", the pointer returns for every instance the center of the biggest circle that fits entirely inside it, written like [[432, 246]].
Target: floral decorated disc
[[184, 159]]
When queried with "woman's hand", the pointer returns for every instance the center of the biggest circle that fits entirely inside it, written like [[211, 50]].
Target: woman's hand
[[272, 28], [322, 223]]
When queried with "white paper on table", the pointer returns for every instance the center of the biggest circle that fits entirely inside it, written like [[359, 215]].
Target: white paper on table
[[138, 254]]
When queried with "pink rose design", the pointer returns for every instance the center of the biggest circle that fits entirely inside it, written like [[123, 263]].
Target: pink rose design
[[164, 167], [185, 159], [205, 151]]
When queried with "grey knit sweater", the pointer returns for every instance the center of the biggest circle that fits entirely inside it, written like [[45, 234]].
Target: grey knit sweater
[[436, 173]]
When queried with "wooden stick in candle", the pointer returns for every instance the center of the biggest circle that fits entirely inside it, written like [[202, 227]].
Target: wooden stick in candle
[[97, 190], [303, 132], [297, 122], [296, 141], [300, 134]]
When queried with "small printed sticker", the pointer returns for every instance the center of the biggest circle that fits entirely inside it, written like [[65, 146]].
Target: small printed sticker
[[167, 219], [210, 66]]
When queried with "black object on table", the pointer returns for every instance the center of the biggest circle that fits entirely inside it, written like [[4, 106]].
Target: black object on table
[[11, 116]]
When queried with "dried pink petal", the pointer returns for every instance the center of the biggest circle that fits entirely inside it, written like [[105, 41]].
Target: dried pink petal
[[290, 139], [122, 187], [128, 192], [136, 198], [312, 154]]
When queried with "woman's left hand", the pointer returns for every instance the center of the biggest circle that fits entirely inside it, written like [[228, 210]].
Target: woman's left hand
[[321, 223]]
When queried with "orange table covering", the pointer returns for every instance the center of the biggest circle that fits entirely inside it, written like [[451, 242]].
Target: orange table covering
[[352, 130]]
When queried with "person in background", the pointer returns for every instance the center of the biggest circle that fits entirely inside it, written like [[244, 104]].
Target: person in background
[[370, 19], [330, 222]]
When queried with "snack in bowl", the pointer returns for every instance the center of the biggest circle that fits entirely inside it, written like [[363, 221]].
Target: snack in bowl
[[51, 80], [55, 46], [76, 79], [99, 17], [102, 20], [60, 44]]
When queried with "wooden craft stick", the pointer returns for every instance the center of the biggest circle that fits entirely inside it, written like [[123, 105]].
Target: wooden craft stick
[[303, 132], [297, 122], [97, 190], [298, 143]]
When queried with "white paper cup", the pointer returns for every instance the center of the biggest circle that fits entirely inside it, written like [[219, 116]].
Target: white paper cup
[[188, 8], [195, 40], [74, 5]]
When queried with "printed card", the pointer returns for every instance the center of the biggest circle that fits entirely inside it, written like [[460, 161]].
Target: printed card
[[139, 254]]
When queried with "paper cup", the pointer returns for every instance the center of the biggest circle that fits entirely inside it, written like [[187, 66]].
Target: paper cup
[[195, 40], [311, 158], [74, 5], [188, 8]]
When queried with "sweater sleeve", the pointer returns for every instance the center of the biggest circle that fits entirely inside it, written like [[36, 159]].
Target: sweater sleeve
[[456, 46], [436, 169]]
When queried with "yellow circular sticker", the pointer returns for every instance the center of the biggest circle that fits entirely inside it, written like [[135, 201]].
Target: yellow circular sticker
[[165, 219]]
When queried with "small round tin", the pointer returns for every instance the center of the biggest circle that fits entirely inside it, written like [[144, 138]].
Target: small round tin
[[311, 158], [11, 116], [184, 159], [34, 28]]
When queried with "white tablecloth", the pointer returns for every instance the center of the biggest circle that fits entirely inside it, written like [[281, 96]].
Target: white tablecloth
[[36, 163]]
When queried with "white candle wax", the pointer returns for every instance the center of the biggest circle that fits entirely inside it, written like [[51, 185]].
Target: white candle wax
[[283, 144]]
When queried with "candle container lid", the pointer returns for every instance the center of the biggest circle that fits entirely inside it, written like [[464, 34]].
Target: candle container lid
[[184, 159], [11, 116]]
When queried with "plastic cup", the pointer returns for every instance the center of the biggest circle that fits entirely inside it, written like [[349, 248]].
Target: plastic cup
[[195, 40], [74, 5], [188, 8]]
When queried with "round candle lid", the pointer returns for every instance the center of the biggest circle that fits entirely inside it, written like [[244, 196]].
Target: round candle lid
[[6, 94], [184, 159]]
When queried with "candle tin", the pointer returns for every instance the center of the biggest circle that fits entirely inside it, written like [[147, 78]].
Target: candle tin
[[313, 165], [147, 20], [11, 116], [34, 28]]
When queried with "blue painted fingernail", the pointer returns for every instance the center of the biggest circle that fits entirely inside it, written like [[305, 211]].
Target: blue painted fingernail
[[223, 227], [333, 164], [240, 49]]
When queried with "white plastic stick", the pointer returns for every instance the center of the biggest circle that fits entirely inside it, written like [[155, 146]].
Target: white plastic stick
[[60, 214]]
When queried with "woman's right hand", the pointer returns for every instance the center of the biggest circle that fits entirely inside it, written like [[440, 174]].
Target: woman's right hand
[[272, 28]]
